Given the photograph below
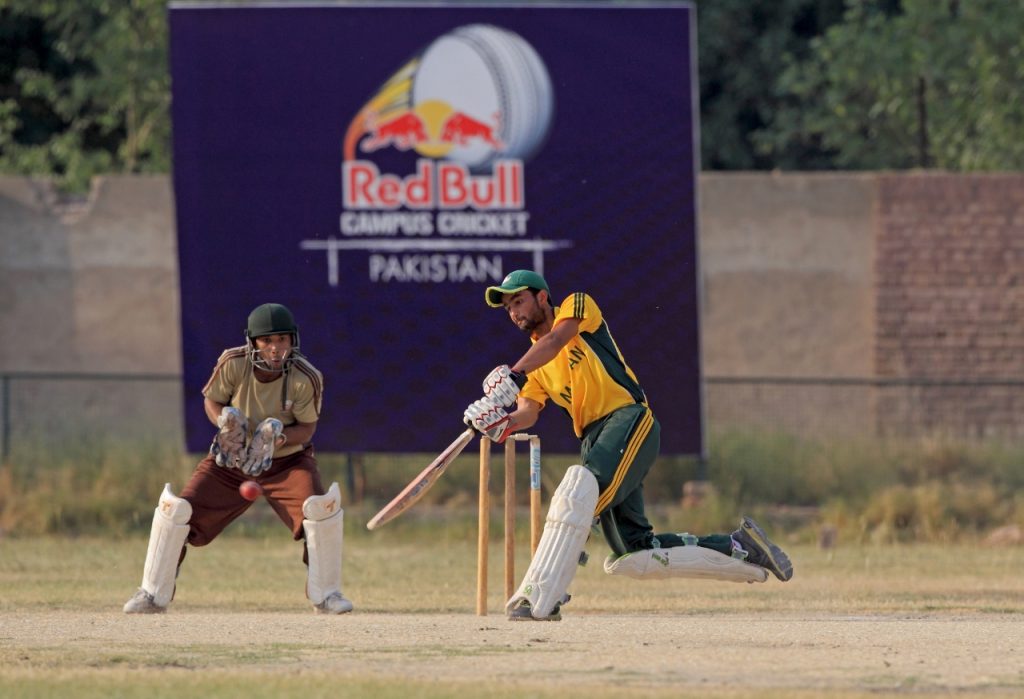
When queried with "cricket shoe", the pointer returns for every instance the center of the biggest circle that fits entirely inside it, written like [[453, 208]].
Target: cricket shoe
[[523, 612], [334, 603], [761, 551], [142, 603]]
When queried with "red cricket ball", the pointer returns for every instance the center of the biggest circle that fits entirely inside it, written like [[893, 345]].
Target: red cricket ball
[[250, 490]]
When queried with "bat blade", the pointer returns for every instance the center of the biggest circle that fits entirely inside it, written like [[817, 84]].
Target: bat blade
[[419, 485]]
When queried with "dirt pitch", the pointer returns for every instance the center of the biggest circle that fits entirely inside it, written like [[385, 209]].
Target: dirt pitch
[[644, 653], [855, 622]]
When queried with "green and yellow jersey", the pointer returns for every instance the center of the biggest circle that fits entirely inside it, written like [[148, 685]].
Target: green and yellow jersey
[[295, 396], [588, 378]]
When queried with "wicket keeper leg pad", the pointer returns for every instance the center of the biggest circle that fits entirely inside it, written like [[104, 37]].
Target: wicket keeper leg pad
[[324, 525], [166, 537], [684, 562]]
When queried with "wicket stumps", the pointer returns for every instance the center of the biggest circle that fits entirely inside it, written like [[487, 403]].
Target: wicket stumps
[[484, 520]]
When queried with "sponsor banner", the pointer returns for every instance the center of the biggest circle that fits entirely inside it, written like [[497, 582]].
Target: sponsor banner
[[374, 168]]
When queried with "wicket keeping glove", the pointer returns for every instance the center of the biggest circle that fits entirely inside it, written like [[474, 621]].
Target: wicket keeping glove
[[261, 448], [488, 419], [228, 448]]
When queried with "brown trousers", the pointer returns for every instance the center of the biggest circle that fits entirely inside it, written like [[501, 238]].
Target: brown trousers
[[213, 493]]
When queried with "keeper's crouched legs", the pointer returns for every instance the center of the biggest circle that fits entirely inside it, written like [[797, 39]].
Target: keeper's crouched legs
[[324, 528], [166, 539], [543, 589]]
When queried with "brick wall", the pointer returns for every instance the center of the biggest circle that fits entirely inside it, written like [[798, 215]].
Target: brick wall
[[950, 303]]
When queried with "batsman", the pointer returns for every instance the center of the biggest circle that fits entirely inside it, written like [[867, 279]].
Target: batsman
[[574, 363], [264, 398]]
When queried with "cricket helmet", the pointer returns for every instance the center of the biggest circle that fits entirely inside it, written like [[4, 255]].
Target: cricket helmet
[[270, 319]]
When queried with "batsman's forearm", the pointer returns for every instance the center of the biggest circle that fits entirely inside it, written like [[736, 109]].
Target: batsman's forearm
[[518, 422], [547, 348], [526, 414], [537, 356]]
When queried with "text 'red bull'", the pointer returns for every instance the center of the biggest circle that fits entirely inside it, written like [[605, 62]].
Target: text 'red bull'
[[434, 185]]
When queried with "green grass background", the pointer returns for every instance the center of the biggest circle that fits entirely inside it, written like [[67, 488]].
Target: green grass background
[[909, 521], [931, 490]]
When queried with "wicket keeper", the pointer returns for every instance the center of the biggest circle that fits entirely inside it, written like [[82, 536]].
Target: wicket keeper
[[264, 398]]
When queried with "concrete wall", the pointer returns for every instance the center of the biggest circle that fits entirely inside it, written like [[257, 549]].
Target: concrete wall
[[787, 265], [817, 289], [788, 282], [90, 287]]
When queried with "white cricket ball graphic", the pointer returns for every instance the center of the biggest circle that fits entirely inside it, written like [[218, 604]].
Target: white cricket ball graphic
[[495, 78], [474, 95]]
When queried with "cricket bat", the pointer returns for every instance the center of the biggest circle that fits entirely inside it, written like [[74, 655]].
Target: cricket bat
[[419, 485]]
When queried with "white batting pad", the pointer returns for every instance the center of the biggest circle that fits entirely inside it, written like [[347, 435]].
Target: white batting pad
[[565, 533], [324, 527], [167, 536], [683, 562]]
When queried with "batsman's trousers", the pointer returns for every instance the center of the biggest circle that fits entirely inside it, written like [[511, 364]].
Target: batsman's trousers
[[619, 449]]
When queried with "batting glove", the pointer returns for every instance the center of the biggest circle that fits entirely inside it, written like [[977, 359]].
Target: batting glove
[[488, 419], [502, 385]]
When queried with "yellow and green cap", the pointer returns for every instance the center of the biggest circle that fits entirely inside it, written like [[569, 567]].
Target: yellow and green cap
[[515, 281]]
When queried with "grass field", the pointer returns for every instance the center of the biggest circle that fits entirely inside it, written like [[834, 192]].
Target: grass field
[[921, 621]]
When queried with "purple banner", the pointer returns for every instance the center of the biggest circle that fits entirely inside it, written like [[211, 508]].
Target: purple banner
[[374, 168]]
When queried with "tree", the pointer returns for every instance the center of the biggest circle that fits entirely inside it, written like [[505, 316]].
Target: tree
[[742, 45], [84, 89], [788, 84], [919, 83]]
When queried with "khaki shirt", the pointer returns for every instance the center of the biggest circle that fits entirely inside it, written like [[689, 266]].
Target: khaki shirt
[[295, 396]]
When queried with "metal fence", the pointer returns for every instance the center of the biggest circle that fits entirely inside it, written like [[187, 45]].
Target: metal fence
[[47, 408]]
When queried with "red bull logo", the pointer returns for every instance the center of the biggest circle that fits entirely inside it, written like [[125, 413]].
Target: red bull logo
[[402, 132], [420, 131], [468, 111], [460, 128], [444, 137], [440, 185]]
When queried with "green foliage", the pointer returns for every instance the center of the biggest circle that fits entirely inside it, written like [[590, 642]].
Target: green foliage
[[86, 91], [86, 485], [930, 490], [932, 511], [741, 46], [753, 467], [927, 84], [788, 84]]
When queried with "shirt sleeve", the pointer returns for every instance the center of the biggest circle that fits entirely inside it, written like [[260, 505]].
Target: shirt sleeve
[[307, 401], [221, 386], [581, 307], [534, 391]]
